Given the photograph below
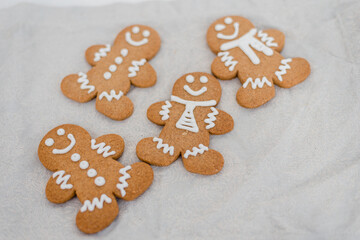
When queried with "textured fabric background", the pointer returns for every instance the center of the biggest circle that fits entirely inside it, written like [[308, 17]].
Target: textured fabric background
[[291, 167]]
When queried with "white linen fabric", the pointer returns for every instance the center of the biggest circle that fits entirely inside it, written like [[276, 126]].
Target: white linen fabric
[[291, 166]]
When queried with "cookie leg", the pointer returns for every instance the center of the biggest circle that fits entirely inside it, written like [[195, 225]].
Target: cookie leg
[[133, 181], [291, 71], [156, 152], [114, 104], [255, 92], [78, 87], [202, 160], [97, 213]]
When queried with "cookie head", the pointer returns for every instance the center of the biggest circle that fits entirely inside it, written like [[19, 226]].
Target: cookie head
[[227, 29], [60, 144], [197, 86], [141, 39]]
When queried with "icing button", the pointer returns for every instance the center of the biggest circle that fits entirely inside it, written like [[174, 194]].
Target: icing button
[[84, 164], [99, 181], [112, 68], [91, 172], [107, 75], [118, 60], [124, 52], [75, 157]]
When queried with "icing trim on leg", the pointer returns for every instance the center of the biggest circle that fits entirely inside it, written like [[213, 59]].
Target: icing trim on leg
[[102, 53], [196, 150], [167, 148], [258, 83], [85, 82], [111, 96], [227, 59], [96, 202], [165, 110], [123, 184], [282, 68]]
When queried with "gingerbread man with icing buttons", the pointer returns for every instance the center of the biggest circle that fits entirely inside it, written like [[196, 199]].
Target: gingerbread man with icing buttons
[[114, 69], [254, 57], [189, 117], [88, 168]]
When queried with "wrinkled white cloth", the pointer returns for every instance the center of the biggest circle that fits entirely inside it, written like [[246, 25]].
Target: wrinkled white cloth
[[291, 166]]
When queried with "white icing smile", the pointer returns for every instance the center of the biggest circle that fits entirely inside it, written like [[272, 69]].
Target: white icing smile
[[136, 30], [68, 148], [232, 36], [195, 93]]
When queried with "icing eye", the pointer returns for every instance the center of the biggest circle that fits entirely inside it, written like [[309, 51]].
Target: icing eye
[[49, 142], [91, 172], [203, 79], [99, 181], [75, 157], [118, 60], [228, 20], [136, 29], [219, 27], [189, 78], [84, 164], [124, 52], [60, 131], [146, 33]]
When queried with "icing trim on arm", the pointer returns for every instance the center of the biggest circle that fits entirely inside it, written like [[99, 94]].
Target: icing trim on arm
[[68, 148], [282, 68], [195, 151], [123, 184], [227, 59], [211, 118], [85, 82], [96, 202], [165, 111], [102, 52], [62, 180], [258, 83], [111, 96], [135, 67], [266, 39], [101, 148]]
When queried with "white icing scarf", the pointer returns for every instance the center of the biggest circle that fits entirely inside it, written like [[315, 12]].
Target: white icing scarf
[[187, 120]]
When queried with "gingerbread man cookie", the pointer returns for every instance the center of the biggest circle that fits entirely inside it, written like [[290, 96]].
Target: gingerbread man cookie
[[188, 118], [114, 69], [87, 167], [253, 56]]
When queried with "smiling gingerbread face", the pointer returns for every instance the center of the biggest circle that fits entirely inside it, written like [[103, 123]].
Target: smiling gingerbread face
[[227, 29], [197, 86], [140, 39], [60, 143]]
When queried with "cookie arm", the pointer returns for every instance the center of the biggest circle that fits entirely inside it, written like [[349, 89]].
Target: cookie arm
[[219, 122], [273, 38], [159, 112], [224, 66], [96, 52], [110, 145], [59, 188], [141, 73]]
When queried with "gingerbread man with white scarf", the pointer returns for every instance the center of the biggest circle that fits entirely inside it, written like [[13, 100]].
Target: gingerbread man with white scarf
[[115, 69], [88, 168], [189, 117], [253, 56]]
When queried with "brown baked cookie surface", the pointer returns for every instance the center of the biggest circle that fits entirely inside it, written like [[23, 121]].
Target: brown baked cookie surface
[[189, 117], [114, 69], [253, 56], [87, 168]]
